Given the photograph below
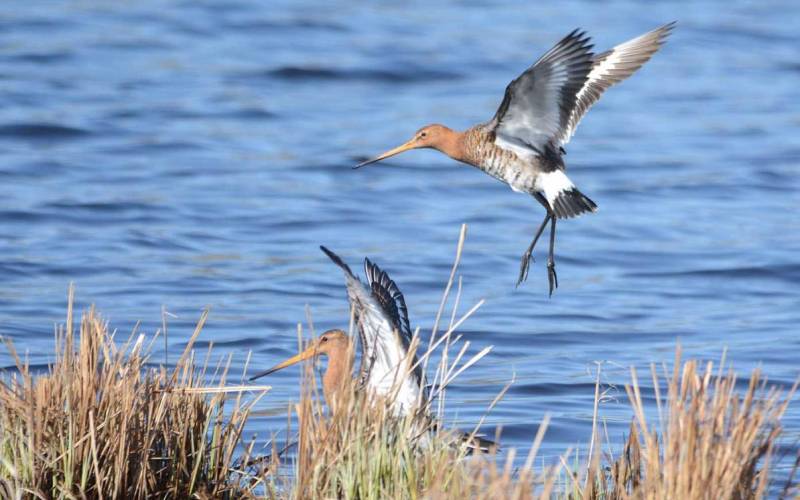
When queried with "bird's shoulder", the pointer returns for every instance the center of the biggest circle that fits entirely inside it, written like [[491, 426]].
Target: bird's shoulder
[[482, 143]]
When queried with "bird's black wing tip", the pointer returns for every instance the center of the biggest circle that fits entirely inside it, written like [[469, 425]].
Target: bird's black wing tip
[[330, 254], [336, 259], [579, 36], [665, 30], [386, 291]]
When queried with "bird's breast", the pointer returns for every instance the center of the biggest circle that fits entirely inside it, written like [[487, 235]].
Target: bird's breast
[[515, 168]]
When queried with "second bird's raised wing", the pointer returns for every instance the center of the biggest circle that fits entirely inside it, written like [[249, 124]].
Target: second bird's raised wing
[[391, 299], [382, 320]]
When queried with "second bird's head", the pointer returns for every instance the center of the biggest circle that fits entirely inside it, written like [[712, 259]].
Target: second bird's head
[[328, 342], [430, 136]]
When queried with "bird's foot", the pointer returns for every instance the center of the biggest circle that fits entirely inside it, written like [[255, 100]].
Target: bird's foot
[[551, 276], [524, 266]]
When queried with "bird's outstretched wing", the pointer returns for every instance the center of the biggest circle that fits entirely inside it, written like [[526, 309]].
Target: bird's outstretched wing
[[538, 104], [386, 292], [612, 67], [381, 330]]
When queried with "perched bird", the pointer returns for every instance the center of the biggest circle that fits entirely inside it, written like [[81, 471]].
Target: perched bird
[[523, 144], [387, 366]]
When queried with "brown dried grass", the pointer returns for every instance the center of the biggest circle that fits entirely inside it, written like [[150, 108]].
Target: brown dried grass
[[101, 424]]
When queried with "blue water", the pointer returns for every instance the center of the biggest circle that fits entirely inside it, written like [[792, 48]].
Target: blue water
[[185, 154]]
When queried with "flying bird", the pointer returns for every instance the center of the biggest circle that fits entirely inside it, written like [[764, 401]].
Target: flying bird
[[523, 144]]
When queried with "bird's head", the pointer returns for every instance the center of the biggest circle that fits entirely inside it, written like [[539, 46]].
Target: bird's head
[[430, 136], [330, 341], [325, 344]]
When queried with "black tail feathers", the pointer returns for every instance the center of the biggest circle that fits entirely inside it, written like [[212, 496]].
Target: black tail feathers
[[572, 203]]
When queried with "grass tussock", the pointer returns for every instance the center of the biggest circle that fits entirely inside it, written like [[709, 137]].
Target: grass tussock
[[101, 424], [360, 451], [707, 440]]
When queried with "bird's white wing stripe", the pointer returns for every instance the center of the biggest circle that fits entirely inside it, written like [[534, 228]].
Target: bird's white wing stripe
[[606, 67], [521, 151], [610, 68], [597, 73]]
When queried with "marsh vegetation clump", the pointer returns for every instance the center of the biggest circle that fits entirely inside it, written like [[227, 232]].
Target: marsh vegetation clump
[[106, 421], [707, 438]]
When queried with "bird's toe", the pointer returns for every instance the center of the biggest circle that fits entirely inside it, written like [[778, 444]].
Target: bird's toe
[[524, 266], [552, 277]]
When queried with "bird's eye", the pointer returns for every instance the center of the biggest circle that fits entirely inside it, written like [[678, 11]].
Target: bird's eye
[[324, 339], [423, 135]]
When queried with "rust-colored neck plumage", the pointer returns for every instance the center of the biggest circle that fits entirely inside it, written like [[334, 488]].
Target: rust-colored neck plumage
[[339, 371], [471, 146], [451, 143]]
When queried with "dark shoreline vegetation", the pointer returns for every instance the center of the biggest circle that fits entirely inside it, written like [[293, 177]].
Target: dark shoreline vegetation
[[103, 423]]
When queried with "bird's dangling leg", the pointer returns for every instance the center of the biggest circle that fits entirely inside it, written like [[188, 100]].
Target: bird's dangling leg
[[551, 263], [527, 257]]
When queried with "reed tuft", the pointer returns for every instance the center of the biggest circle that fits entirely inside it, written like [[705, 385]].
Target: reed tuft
[[708, 438], [102, 424]]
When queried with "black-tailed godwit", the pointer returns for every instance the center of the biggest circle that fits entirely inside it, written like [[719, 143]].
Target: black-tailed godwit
[[523, 144]]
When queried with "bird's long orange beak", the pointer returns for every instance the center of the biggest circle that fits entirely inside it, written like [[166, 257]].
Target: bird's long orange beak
[[396, 151], [310, 352]]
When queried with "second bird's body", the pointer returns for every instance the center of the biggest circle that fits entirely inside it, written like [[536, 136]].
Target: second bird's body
[[390, 370], [389, 367]]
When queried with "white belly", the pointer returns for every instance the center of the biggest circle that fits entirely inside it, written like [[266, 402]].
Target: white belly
[[390, 379], [395, 383]]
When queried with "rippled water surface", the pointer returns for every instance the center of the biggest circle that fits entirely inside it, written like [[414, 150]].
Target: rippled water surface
[[184, 154]]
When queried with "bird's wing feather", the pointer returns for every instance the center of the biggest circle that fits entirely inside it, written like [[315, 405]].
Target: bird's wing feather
[[537, 105], [383, 348], [387, 293], [612, 67]]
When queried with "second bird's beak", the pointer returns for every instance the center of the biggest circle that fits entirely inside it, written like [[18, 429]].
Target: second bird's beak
[[396, 151], [308, 353]]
